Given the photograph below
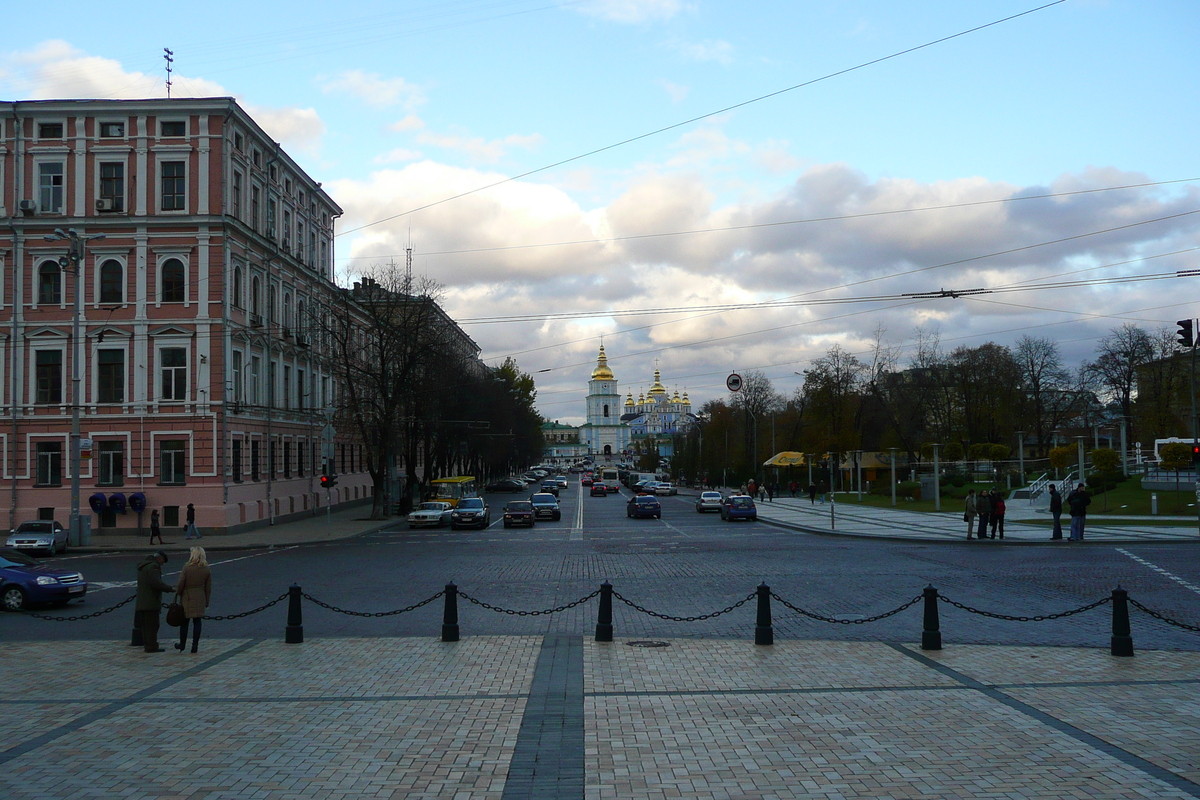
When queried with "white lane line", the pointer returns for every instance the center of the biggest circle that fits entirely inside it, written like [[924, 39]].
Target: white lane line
[[576, 534], [99, 586], [1189, 586]]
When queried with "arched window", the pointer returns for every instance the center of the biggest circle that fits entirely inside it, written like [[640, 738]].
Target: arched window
[[254, 295], [237, 287], [171, 281], [49, 282], [112, 282], [287, 311], [300, 315], [272, 296], [606, 409]]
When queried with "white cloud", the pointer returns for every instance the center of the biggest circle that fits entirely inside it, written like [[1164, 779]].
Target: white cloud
[[677, 93], [400, 154], [373, 89], [631, 10], [709, 50], [477, 147], [410, 123]]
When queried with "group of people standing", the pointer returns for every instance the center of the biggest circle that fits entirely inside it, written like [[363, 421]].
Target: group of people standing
[[989, 508], [194, 589], [1077, 503]]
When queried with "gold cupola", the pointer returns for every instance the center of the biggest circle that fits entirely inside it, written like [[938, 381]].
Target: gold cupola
[[676, 399], [657, 388], [629, 401], [602, 372]]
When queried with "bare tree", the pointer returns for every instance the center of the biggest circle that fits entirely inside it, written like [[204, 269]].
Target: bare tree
[[1119, 355], [757, 399]]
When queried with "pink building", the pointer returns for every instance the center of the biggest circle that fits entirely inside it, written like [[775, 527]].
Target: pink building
[[202, 380]]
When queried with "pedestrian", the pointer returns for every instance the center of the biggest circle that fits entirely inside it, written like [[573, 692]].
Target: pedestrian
[[752, 488], [148, 606], [998, 509], [793, 487], [190, 528], [970, 512], [155, 530], [823, 490], [812, 494], [1078, 501], [1056, 510], [771, 492], [195, 593], [762, 492], [983, 507]]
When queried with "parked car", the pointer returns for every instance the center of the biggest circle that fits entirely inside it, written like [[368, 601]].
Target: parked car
[[518, 512], [471, 512], [665, 489], [644, 486], [708, 501], [739, 506], [550, 486], [643, 505], [25, 582], [431, 514], [505, 485], [47, 535], [599, 489], [545, 505]]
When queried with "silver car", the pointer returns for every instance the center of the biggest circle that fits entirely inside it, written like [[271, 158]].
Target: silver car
[[708, 501], [433, 514], [47, 535]]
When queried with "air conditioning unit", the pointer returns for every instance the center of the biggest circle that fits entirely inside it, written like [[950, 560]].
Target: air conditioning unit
[[27, 206], [286, 332], [301, 340], [255, 321], [106, 204]]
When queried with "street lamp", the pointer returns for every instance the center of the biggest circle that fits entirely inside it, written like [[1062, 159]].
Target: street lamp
[[75, 254]]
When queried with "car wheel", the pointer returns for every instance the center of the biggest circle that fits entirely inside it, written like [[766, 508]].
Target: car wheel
[[13, 598], [507, 524], [754, 518], [557, 516], [411, 526], [658, 516]]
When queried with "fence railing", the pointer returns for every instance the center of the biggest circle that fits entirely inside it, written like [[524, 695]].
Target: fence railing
[[1120, 644]]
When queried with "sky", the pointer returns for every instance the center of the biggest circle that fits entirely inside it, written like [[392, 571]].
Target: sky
[[635, 167]]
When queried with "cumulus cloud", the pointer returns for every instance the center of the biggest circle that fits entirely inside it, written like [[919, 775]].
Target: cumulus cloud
[[409, 123], [677, 93], [373, 89], [716, 50], [629, 11], [478, 148], [397, 156]]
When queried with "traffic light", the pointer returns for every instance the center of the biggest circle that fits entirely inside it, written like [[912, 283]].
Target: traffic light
[[1196, 454], [1185, 333], [328, 481]]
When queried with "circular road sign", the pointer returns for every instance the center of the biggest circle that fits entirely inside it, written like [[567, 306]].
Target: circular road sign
[[734, 382]]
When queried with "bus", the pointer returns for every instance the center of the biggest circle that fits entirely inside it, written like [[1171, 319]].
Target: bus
[[451, 490], [611, 478]]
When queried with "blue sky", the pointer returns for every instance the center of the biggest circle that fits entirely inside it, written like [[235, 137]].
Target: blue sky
[[396, 105]]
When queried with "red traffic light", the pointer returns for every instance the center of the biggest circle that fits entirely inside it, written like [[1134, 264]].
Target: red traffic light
[[328, 481]]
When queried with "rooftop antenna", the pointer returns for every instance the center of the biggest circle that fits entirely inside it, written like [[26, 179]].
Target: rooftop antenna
[[408, 269], [170, 59]]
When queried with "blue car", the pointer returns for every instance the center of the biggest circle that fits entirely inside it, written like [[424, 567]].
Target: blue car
[[739, 506], [25, 582], [643, 505]]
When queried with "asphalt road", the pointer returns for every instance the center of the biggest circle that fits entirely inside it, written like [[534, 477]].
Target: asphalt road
[[686, 564]]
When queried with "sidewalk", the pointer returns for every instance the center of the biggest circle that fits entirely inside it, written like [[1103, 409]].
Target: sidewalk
[[564, 717], [339, 525]]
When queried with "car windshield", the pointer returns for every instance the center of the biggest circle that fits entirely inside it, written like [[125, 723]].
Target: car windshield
[[711, 496], [646, 501], [11, 558], [741, 502], [519, 505], [35, 527], [431, 507], [470, 502], [544, 498]]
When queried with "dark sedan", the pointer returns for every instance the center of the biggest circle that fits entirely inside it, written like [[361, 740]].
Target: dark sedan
[[550, 486], [506, 485], [599, 489], [545, 505], [643, 505], [25, 582], [518, 512], [471, 512]]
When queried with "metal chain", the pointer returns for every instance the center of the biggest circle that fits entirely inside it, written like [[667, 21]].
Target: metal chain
[[248, 613], [1165, 619], [820, 618], [337, 610], [510, 612], [636, 607], [1038, 618], [126, 601]]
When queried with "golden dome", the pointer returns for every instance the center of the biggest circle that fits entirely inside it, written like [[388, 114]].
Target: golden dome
[[641, 399], [676, 399], [685, 398], [629, 401], [602, 372], [657, 388]]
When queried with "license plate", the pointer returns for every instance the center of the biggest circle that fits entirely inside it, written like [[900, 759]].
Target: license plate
[[76, 589]]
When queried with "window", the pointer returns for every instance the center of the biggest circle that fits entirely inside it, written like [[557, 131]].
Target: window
[[171, 457], [287, 185], [112, 282], [237, 460], [48, 375], [254, 292], [253, 395], [49, 282], [236, 389], [236, 200], [51, 175], [254, 194], [112, 463], [272, 296], [173, 190], [112, 130], [173, 369], [110, 376], [256, 157], [287, 459], [254, 473], [271, 384], [171, 281], [270, 218], [49, 464], [312, 247], [287, 312], [50, 130], [237, 287], [174, 128], [272, 470], [287, 229], [287, 386], [239, 141], [112, 187], [606, 409], [299, 240], [300, 388]]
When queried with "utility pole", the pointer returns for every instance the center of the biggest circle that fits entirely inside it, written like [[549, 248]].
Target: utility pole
[[893, 459], [937, 481], [75, 254], [1021, 456]]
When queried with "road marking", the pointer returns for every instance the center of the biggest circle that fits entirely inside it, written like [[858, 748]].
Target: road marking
[[576, 534], [99, 586], [1189, 586]]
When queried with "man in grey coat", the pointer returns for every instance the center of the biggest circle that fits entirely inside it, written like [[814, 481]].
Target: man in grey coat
[[150, 587], [983, 505]]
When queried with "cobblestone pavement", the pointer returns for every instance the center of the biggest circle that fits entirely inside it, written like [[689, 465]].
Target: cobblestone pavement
[[505, 717]]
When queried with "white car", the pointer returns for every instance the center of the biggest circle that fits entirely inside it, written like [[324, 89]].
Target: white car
[[433, 514], [708, 501], [48, 535], [664, 488], [561, 480]]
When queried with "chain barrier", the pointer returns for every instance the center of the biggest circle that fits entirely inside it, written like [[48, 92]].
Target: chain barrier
[[124, 602], [347, 612], [263, 607], [1168, 620], [1038, 618], [820, 618], [636, 607], [510, 612]]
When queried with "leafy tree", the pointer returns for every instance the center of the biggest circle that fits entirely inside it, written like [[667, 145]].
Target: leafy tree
[[1175, 456], [1061, 457]]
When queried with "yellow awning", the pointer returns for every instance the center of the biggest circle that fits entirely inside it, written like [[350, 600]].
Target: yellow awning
[[788, 458]]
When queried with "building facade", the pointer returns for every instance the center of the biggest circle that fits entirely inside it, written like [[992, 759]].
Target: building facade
[[657, 417], [200, 378], [604, 434]]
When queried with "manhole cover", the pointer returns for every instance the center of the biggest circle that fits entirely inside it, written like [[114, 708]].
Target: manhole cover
[[648, 644]]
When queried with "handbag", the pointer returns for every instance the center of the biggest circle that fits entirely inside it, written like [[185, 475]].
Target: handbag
[[966, 517], [175, 615]]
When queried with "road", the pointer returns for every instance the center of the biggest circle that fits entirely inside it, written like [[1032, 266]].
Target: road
[[686, 564]]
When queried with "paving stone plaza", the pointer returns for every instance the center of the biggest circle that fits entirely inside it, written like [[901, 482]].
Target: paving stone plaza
[[566, 717]]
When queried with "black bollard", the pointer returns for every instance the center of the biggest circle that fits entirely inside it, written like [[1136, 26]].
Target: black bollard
[[1122, 642], [294, 632], [604, 627], [931, 634], [763, 633], [450, 615]]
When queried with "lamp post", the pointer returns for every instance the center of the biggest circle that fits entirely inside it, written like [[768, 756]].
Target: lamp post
[[937, 480], [893, 460], [75, 254], [1021, 456]]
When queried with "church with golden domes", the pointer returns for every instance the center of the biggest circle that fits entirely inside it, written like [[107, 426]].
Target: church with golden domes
[[604, 433]]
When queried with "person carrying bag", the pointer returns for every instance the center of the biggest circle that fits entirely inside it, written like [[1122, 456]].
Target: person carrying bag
[[195, 591]]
